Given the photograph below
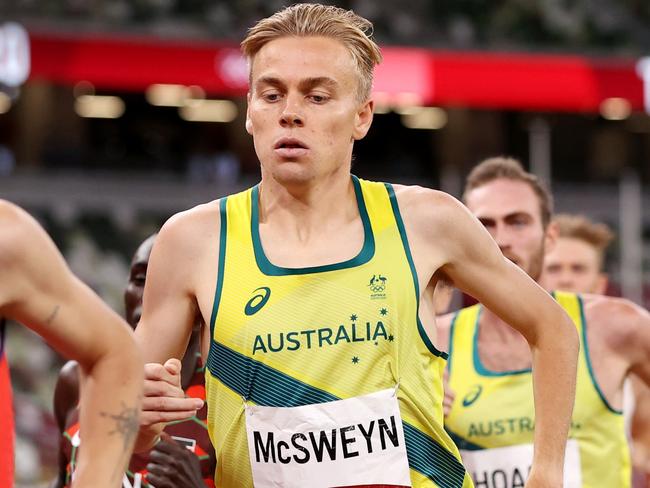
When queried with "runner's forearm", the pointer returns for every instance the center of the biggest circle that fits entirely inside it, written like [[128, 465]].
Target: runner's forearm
[[109, 412], [554, 380]]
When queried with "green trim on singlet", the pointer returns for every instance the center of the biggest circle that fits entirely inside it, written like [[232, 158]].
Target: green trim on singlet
[[260, 383], [452, 329], [270, 269], [588, 360], [222, 260], [264, 385], [462, 443], [407, 250], [193, 418], [431, 459], [478, 365]]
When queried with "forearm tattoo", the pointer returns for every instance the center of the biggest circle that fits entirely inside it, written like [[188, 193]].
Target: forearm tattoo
[[126, 426], [50, 319]]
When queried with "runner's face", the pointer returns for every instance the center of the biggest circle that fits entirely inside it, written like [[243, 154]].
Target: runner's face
[[510, 211], [135, 287], [573, 265], [303, 111]]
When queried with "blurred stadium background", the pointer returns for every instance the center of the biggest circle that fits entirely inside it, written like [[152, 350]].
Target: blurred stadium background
[[115, 114]]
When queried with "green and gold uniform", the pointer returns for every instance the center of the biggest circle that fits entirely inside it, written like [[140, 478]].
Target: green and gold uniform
[[286, 337], [496, 409]]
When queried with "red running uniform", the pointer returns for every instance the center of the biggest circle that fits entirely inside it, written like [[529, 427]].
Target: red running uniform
[[6, 420]]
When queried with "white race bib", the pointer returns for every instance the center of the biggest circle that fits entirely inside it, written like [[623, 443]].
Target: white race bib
[[358, 441], [509, 466]]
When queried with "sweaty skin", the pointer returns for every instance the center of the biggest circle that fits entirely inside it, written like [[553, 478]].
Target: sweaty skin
[[305, 89], [38, 290]]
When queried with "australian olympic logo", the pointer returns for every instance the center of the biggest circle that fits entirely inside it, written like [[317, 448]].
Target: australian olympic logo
[[377, 285]]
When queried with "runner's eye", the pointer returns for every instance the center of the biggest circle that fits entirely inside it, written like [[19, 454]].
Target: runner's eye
[[318, 98], [271, 97]]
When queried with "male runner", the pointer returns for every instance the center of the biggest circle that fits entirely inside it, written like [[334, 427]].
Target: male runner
[[38, 290], [186, 458], [575, 264], [321, 369], [492, 418]]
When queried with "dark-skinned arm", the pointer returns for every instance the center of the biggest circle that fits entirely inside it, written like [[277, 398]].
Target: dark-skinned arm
[[66, 397]]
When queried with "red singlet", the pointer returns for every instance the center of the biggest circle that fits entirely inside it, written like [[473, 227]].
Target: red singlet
[[6, 420]]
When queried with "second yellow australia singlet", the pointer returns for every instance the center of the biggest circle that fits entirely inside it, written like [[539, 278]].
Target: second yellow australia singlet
[[496, 409], [287, 337]]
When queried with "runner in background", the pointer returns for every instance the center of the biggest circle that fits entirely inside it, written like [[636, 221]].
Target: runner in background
[[185, 458], [492, 418], [38, 290], [576, 264]]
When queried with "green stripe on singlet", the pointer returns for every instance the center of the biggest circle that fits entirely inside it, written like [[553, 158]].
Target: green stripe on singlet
[[267, 386]]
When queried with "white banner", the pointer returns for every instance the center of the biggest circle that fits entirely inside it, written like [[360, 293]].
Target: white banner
[[509, 466], [358, 441]]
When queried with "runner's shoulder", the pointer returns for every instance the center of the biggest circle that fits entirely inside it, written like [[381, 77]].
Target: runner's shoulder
[[194, 217], [617, 320], [20, 237], [428, 206], [189, 230], [15, 224]]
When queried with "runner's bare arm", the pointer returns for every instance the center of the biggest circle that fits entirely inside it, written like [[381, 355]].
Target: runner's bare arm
[[169, 310], [458, 246], [66, 396], [39, 291]]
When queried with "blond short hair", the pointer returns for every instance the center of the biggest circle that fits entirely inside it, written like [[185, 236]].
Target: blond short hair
[[502, 167], [595, 234], [315, 20]]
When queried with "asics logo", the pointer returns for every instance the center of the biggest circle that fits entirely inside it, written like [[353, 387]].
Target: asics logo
[[258, 300], [472, 396]]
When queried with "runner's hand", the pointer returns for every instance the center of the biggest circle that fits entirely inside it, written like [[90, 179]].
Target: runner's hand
[[164, 399], [172, 465], [537, 479], [449, 397]]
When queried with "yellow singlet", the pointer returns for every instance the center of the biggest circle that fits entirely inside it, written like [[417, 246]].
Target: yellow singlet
[[289, 337], [496, 409]]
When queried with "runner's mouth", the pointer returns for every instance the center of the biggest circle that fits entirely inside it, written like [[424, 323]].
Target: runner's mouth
[[290, 143]]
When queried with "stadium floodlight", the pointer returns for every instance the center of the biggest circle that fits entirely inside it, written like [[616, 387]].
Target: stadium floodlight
[[431, 118], [615, 108], [5, 103], [99, 106], [209, 111], [166, 95], [14, 54]]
